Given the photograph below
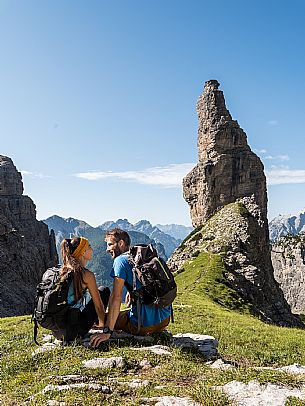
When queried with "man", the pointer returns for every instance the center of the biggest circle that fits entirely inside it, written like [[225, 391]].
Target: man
[[153, 319]]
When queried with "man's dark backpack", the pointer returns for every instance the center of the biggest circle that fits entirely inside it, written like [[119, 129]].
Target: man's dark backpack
[[158, 284], [51, 307]]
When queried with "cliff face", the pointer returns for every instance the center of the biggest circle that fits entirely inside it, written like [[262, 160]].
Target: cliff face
[[288, 259], [227, 168], [26, 247], [229, 180]]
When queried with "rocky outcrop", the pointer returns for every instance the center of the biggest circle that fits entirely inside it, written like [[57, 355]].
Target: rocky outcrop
[[234, 233], [288, 259], [26, 247], [229, 180], [287, 224], [227, 168]]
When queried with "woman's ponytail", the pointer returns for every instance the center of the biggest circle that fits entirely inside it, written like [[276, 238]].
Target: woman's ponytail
[[71, 265]]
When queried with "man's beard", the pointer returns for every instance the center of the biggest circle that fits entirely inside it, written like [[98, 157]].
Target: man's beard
[[116, 252]]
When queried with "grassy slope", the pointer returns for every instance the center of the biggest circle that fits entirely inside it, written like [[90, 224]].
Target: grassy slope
[[242, 338]]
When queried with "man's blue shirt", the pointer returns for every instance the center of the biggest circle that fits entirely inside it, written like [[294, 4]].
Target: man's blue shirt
[[150, 315]]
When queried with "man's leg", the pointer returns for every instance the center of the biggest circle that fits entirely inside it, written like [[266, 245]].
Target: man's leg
[[123, 323]]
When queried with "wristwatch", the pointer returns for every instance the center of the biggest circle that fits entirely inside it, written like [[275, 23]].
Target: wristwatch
[[107, 330]]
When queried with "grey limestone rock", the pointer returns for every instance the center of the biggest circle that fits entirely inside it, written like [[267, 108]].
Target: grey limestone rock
[[221, 364], [170, 401], [288, 259], [156, 349], [26, 247], [105, 363], [65, 387], [255, 394], [204, 344], [227, 168], [227, 196], [235, 233]]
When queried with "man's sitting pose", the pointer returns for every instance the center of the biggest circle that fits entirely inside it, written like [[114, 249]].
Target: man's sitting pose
[[153, 319]]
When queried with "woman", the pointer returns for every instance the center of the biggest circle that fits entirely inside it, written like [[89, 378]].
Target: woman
[[87, 301]]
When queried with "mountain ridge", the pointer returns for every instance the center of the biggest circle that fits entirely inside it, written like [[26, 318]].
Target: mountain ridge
[[287, 224]]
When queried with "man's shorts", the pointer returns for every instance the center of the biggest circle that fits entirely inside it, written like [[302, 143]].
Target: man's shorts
[[124, 323]]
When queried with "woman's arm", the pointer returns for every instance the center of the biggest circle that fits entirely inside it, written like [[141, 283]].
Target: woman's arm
[[90, 282], [113, 312]]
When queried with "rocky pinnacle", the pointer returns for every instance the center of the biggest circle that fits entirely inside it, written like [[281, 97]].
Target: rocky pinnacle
[[227, 168]]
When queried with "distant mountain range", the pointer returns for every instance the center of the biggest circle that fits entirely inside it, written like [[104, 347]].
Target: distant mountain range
[[167, 239], [141, 232], [287, 224], [175, 230]]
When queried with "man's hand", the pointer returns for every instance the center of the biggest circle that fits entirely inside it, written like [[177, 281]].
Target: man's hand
[[98, 338]]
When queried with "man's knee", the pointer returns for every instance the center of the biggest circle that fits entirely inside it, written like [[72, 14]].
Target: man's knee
[[105, 294]]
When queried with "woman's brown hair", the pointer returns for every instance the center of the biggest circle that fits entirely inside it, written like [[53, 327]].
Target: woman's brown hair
[[72, 265]]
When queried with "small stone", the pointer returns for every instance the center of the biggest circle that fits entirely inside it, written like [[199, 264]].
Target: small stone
[[44, 348], [55, 403], [103, 363], [137, 383], [294, 369], [206, 345], [156, 349], [47, 338], [171, 401], [89, 386], [145, 364], [70, 378], [255, 394], [221, 364]]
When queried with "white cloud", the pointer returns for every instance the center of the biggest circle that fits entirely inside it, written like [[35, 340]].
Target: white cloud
[[273, 123], [285, 176], [165, 176], [277, 157], [34, 174], [260, 151], [172, 175]]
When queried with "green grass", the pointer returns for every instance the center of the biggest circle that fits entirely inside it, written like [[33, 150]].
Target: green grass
[[206, 305]]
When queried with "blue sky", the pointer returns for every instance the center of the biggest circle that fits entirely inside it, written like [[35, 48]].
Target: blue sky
[[97, 100]]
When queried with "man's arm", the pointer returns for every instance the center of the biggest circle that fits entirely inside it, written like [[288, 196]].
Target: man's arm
[[113, 311]]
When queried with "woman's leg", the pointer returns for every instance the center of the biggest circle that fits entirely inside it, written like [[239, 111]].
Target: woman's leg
[[88, 316]]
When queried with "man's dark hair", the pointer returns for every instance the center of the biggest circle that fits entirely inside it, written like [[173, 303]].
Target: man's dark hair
[[119, 234]]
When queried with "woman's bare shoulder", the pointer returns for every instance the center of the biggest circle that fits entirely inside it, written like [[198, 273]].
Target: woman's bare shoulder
[[88, 276]]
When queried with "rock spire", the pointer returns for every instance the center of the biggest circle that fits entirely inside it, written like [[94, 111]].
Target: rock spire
[[227, 168], [226, 192]]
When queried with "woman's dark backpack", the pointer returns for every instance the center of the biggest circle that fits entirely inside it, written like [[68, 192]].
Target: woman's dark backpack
[[51, 305], [158, 284]]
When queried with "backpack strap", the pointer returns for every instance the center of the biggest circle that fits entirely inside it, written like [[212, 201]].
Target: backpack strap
[[33, 320], [136, 298], [139, 314], [138, 302], [172, 314]]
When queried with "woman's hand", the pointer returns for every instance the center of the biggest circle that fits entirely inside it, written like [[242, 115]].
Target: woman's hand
[[128, 299], [100, 325]]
